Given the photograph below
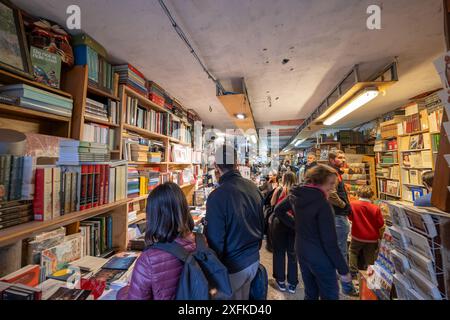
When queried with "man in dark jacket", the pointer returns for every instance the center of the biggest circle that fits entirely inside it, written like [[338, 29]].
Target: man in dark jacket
[[341, 206], [235, 222]]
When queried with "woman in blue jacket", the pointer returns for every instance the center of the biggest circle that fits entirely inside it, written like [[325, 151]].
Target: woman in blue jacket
[[315, 234]]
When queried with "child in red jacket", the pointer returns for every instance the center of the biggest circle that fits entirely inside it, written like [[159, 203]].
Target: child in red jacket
[[367, 222]]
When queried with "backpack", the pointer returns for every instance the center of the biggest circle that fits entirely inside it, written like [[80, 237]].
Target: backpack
[[202, 271]]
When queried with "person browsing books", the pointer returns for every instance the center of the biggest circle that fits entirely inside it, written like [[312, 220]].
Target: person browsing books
[[316, 242], [156, 273], [425, 200], [283, 240], [235, 222], [367, 223]]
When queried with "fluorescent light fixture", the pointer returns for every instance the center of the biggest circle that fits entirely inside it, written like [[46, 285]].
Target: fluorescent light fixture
[[240, 116], [299, 142], [361, 99]]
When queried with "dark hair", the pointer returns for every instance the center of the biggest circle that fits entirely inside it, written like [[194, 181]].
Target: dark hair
[[319, 174], [365, 192], [167, 214], [333, 154], [427, 178], [289, 180], [226, 157]]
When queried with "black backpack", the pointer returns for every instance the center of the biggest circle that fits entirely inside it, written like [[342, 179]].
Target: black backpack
[[203, 276]]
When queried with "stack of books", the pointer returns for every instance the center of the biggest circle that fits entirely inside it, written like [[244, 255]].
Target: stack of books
[[18, 291], [154, 157], [36, 99], [139, 152], [157, 94], [13, 213], [68, 152], [132, 78], [96, 110], [93, 152]]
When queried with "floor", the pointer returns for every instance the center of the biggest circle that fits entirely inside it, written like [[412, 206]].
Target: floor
[[275, 294]]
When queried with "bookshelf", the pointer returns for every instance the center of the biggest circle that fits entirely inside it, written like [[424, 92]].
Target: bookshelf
[[360, 170]]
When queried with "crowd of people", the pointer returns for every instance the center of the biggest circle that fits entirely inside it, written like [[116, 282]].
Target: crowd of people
[[305, 217]]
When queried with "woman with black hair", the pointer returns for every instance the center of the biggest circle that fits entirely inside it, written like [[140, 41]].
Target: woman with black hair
[[156, 272]]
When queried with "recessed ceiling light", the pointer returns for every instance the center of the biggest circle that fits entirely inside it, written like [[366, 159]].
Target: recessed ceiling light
[[240, 116]]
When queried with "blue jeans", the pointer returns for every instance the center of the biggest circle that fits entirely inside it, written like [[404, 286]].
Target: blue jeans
[[342, 230], [320, 280]]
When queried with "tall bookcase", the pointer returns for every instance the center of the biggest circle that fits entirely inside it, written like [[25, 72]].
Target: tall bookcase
[[75, 85]]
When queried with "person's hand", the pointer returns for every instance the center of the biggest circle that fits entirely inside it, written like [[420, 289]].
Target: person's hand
[[346, 277]]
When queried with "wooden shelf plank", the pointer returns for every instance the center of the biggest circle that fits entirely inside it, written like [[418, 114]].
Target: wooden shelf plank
[[10, 78], [98, 121], [145, 133], [147, 163], [101, 93], [414, 185], [388, 194], [24, 112], [417, 168], [415, 150], [131, 200], [179, 142], [413, 133], [29, 229], [387, 151], [388, 179], [143, 100]]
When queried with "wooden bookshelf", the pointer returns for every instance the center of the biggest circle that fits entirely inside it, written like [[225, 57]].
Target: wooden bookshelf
[[145, 133], [29, 113], [26, 230], [99, 121], [101, 93], [136, 199], [143, 100], [11, 78], [413, 133]]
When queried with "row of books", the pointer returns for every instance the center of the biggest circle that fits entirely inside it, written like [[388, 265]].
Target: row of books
[[180, 131], [416, 236], [391, 172], [100, 134], [387, 158], [147, 119], [16, 177], [64, 189], [97, 235], [89, 52], [132, 78], [415, 142], [390, 187], [417, 159], [180, 154], [36, 99], [182, 177], [13, 213], [385, 145], [350, 137]]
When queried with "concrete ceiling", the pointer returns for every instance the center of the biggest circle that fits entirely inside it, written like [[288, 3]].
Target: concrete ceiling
[[249, 38]]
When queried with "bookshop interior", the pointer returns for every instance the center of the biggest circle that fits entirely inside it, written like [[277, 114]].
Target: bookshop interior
[[114, 114]]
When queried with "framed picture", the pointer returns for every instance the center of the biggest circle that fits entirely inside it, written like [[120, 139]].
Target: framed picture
[[14, 55]]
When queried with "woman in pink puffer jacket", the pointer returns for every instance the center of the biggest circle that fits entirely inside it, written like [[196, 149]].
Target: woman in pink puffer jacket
[[156, 273]]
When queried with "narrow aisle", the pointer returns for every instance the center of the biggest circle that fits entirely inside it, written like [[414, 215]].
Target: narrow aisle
[[274, 293]]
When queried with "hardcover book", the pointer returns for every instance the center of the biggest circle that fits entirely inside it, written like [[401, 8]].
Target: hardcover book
[[46, 67]]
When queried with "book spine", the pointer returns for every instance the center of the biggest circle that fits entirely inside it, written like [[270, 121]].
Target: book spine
[[84, 186], [112, 185], [78, 176], [109, 232], [90, 187], [62, 192], [38, 202], [97, 185], [56, 200], [48, 193], [4, 185], [102, 185], [68, 191], [14, 178], [73, 191]]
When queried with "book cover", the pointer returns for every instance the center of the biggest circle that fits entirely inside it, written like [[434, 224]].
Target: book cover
[[422, 265], [58, 257], [419, 242], [42, 204], [420, 221], [46, 67], [401, 263], [120, 263], [29, 169], [70, 294], [28, 275], [423, 286], [108, 275]]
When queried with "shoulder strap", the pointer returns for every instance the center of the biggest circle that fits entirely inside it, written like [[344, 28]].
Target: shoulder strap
[[200, 242], [172, 248]]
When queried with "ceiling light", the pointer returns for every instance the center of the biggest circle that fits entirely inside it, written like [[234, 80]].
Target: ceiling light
[[361, 99], [240, 116], [299, 142]]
